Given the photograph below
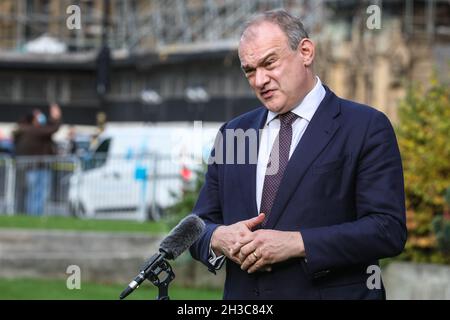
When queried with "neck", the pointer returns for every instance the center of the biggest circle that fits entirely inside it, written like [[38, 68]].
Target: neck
[[311, 81]]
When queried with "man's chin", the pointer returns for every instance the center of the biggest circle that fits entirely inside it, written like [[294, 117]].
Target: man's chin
[[273, 107], [273, 104]]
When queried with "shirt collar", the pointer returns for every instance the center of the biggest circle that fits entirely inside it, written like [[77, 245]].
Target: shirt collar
[[307, 106]]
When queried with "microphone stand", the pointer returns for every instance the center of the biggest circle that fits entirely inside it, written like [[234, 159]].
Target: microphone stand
[[155, 267], [159, 267]]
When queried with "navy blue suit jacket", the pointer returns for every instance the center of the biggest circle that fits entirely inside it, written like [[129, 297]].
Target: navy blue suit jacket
[[342, 189]]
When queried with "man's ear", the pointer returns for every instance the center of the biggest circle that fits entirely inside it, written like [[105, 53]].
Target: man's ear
[[307, 50]]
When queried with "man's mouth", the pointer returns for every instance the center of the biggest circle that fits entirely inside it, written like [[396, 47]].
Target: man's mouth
[[267, 94]]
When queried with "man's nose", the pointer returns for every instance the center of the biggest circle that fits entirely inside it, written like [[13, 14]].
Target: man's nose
[[261, 78]]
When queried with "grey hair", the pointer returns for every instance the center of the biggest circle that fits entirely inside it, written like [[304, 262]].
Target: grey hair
[[289, 24]]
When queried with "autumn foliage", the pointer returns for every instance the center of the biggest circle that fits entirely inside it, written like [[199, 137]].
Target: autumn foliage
[[424, 139]]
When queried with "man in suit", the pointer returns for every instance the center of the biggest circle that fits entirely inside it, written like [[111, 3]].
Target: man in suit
[[324, 199]]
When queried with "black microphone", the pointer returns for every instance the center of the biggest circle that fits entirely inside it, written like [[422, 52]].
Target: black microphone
[[180, 238]]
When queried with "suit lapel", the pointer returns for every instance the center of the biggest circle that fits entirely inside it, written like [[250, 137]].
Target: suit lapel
[[318, 134], [247, 172]]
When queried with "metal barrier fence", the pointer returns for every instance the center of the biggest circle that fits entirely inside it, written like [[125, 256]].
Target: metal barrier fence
[[42, 184], [7, 185], [100, 186]]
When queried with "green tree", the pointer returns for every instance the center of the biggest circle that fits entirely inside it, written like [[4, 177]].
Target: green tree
[[441, 227], [186, 202], [424, 140]]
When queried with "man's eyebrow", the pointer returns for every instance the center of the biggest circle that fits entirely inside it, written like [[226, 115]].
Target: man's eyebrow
[[267, 56], [247, 67]]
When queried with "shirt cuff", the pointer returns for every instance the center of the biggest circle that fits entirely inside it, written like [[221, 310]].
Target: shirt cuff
[[215, 261]]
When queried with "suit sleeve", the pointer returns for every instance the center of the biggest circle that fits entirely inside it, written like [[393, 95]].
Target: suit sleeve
[[208, 207], [379, 230]]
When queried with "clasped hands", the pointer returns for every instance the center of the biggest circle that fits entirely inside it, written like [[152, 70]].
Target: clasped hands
[[256, 250]]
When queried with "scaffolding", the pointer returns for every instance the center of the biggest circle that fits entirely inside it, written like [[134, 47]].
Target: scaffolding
[[138, 24], [157, 25]]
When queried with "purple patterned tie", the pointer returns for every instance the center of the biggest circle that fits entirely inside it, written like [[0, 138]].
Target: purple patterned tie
[[277, 163]]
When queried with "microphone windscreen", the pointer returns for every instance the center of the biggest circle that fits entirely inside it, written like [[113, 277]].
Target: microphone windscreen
[[185, 233]]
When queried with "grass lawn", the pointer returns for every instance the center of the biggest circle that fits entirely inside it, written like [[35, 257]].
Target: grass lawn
[[43, 289], [54, 289], [72, 223]]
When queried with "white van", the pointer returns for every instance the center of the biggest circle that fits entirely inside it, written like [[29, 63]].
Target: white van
[[135, 172]]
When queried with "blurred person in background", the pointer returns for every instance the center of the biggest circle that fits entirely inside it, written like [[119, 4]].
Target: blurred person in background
[[72, 146], [33, 137], [324, 200]]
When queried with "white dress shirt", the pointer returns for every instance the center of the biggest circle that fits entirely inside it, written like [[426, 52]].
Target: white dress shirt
[[305, 111]]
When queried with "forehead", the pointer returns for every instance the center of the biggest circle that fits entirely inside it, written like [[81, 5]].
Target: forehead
[[260, 39]]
